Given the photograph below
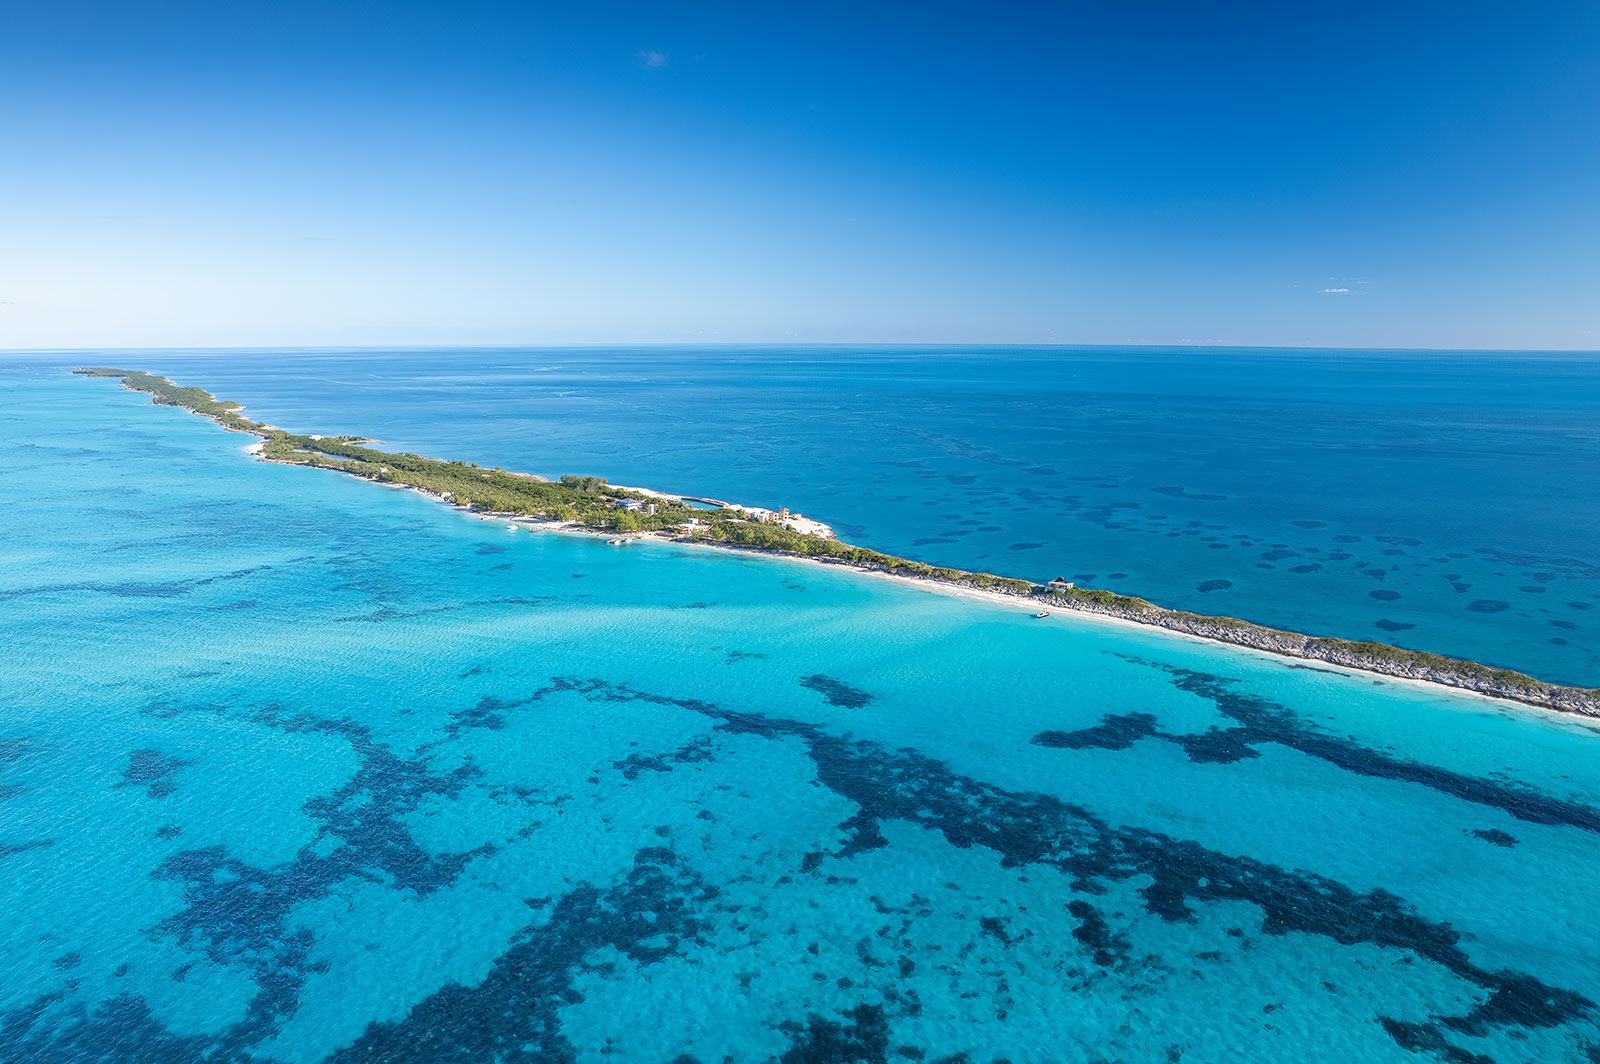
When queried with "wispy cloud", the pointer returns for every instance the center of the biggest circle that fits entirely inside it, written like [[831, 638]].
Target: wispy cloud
[[652, 58], [1337, 291]]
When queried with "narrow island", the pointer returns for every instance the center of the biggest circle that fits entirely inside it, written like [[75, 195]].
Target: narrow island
[[591, 505]]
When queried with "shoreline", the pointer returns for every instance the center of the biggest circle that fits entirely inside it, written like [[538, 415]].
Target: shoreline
[[1287, 661], [1364, 658], [1002, 599], [995, 598]]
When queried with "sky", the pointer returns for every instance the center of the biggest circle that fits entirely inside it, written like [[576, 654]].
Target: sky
[[1282, 174]]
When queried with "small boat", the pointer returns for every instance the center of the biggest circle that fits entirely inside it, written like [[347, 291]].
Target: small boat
[[1042, 614], [511, 526], [613, 542]]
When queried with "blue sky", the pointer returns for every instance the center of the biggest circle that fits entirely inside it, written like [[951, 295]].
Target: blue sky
[[1384, 174]]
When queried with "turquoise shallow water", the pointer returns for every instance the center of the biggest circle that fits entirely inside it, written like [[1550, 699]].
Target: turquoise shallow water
[[1447, 502], [297, 768]]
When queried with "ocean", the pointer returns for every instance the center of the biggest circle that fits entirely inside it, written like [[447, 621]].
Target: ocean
[[300, 768], [1447, 502]]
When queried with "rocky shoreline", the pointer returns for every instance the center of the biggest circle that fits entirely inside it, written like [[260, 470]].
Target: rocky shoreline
[[1369, 657], [1376, 658]]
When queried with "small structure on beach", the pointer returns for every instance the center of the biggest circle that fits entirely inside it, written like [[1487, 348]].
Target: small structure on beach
[[1060, 585]]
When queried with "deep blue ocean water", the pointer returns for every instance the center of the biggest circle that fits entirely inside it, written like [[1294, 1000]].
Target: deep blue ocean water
[[298, 768], [1444, 502]]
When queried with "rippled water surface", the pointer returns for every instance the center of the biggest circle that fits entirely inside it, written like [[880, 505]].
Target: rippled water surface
[[296, 768]]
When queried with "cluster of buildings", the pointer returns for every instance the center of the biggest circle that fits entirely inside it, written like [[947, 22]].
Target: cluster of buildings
[[798, 522]]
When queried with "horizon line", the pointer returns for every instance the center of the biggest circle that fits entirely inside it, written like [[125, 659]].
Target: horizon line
[[602, 344]]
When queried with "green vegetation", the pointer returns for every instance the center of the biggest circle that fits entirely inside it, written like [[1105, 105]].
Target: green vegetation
[[588, 500], [591, 502], [1109, 599], [167, 393], [1422, 659], [762, 536], [1227, 622]]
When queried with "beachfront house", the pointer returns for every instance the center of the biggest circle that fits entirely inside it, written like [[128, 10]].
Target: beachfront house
[[1060, 585], [633, 505]]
